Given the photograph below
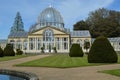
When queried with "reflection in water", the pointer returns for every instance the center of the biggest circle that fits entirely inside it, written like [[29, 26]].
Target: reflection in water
[[8, 77]]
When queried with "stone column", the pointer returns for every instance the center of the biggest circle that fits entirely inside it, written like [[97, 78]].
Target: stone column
[[28, 44], [68, 43], [61, 44], [35, 43], [22, 41]]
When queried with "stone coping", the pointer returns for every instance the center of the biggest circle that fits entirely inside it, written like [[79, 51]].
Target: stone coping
[[25, 75]]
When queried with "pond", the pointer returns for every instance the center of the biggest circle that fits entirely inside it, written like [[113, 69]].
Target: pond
[[6, 74], [9, 77]]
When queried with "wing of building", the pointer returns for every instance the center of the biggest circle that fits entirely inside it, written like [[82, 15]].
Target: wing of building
[[48, 32]]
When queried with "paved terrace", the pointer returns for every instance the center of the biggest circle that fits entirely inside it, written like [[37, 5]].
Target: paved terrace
[[80, 73]]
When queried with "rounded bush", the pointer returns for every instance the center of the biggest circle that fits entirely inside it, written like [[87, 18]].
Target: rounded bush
[[76, 51], [102, 52], [42, 50], [55, 50], [1, 52], [8, 50], [19, 52]]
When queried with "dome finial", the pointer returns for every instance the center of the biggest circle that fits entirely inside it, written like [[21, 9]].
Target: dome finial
[[50, 5]]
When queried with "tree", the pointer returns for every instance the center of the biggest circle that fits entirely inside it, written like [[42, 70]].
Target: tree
[[86, 45], [102, 52], [8, 50], [81, 25], [1, 52], [18, 24], [76, 51], [103, 22]]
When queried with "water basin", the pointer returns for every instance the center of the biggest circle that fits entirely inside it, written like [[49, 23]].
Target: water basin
[[9, 77]]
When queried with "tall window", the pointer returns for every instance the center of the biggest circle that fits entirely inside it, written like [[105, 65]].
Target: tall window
[[25, 45], [31, 43], [19, 44], [58, 42], [13, 43], [48, 38], [65, 43]]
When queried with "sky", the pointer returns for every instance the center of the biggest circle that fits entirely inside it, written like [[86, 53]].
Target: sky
[[72, 11]]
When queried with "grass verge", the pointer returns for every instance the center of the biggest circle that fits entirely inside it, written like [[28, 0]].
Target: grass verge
[[115, 72], [59, 61], [6, 58]]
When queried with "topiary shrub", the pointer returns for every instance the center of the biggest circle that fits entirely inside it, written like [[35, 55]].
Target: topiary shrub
[[76, 51], [8, 50], [55, 50], [1, 52], [102, 52], [42, 49], [19, 52]]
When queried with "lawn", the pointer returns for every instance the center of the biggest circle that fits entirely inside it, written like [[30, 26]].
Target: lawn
[[59, 61], [6, 58], [115, 72]]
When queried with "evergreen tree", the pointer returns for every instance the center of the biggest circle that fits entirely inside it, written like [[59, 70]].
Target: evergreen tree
[[18, 24]]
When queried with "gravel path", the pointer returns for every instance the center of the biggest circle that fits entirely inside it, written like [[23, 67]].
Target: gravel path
[[81, 73]]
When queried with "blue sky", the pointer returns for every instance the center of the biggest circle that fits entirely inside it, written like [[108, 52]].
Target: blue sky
[[71, 11]]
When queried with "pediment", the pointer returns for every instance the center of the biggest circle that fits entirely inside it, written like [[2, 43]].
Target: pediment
[[55, 31]]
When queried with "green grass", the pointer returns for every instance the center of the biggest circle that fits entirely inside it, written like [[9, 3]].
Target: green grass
[[59, 61], [119, 58], [6, 58], [115, 72]]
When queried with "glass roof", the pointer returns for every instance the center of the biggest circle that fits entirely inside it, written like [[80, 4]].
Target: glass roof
[[84, 33], [18, 34], [50, 14]]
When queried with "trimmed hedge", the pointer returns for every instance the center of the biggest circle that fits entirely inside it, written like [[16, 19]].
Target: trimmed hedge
[[8, 50], [1, 52], [76, 51], [19, 52], [102, 52]]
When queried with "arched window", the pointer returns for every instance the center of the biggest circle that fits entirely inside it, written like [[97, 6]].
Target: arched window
[[48, 35], [86, 40], [48, 40], [79, 41]]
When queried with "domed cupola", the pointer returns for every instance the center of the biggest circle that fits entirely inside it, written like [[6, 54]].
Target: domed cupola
[[51, 17]]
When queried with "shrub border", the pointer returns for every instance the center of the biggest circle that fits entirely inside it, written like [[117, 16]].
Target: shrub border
[[25, 75]]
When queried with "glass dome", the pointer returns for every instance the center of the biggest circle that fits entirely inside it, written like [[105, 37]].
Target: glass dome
[[51, 17]]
